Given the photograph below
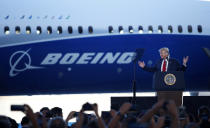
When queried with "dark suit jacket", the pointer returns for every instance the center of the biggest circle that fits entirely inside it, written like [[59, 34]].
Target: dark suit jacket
[[173, 65]]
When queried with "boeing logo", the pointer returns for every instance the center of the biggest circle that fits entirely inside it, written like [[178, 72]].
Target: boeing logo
[[89, 58], [17, 64], [21, 60]]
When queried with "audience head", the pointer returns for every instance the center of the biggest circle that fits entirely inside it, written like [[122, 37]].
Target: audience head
[[56, 112], [57, 122], [4, 122], [45, 111], [25, 121]]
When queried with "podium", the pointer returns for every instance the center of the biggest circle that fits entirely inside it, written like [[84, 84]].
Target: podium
[[169, 86]]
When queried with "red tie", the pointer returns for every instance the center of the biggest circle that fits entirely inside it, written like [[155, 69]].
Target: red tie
[[164, 66]]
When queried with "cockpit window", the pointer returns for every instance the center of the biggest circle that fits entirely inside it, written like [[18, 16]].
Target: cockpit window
[[170, 29], [121, 29], [17, 30], [111, 30], [90, 29], [59, 30], [150, 29], [199, 28], [189, 27], [141, 30], [38, 30], [80, 29], [28, 30], [70, 29], [130, 29], [6, 30], [49, 30], [180, 29], [160, 29]]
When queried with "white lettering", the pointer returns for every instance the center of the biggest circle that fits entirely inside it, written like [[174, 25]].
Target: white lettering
[[88, 58], [110, 58], [51, 58], [97, 58], [126, 58], [69, 58], [85, 57]]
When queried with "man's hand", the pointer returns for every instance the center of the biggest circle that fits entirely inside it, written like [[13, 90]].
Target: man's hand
[[125, 107], [113, 112], [185, 60], [141, 64], [70, 116], [95, 109], [158, 105], [28, 111], [30, 114], [172, 109]]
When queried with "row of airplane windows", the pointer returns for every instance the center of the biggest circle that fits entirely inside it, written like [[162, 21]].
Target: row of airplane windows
[[38, 17], [110, 29]]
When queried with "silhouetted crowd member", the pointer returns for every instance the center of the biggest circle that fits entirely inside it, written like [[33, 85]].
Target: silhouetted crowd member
[[57, 122], [204, 117], [56, 112], [45, 111], [13, 123], [25, 123], [4, 122], [163, 114]]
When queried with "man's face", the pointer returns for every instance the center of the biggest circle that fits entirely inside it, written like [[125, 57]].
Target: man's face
[[163, 54]]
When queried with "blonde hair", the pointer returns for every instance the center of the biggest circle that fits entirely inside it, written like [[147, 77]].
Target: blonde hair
[[164, 49]]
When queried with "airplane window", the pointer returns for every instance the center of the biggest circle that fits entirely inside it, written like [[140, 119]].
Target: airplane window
[[17, 30], [160, 29], [70, 29], [130, 29], [141, 30], [80, 30], [199, 28], [49, 30], [180, 29], [90, 29], [59, 30], [111, 29], [38, 30], [189, 27], [150, 29], [170, 29], [121, 30], [6, 30], [28, 30]]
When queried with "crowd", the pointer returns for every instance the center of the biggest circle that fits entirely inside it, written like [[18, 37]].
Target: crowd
[[163, 114]]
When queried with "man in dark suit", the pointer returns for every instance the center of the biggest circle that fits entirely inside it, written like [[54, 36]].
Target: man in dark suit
[[165, 63]]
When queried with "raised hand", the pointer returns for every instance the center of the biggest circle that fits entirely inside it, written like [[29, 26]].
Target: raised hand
[[95, 108], [70, 116], [141, 64], [185, 60], [125, 107], [172, 109]]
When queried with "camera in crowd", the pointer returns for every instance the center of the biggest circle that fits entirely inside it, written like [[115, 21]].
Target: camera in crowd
[[18, 108], [88, 107]]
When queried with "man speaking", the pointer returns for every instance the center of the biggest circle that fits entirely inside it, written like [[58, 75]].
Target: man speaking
[[165, 63]]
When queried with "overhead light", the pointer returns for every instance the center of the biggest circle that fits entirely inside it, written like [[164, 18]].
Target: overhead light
[[150, 31], [28, 32], [159, 31], [140, 31], [121, 31], [38, 32], [7, 32]]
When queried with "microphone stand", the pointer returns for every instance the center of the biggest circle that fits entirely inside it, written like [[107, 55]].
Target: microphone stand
[[134, 84], [139, 53]]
